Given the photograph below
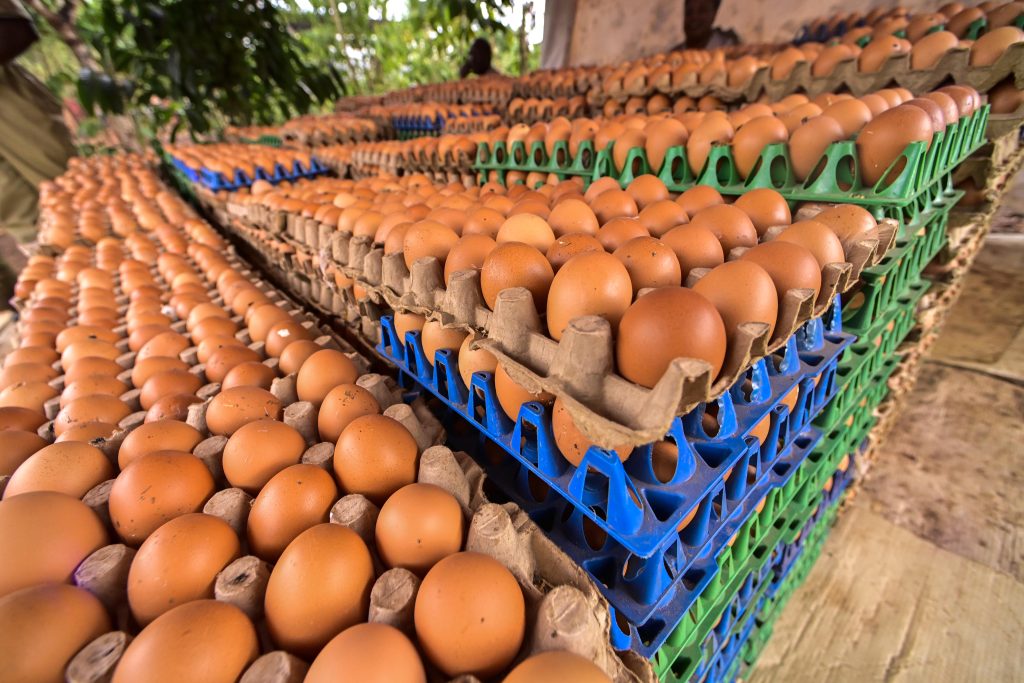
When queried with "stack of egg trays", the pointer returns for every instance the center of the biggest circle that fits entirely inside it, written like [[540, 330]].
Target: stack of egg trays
[[218, 181], [743, 564], [909, 182], [882, 284], [500, 157], [649, 569]]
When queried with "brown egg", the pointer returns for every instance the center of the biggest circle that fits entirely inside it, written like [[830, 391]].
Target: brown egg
[[319, 587], [157, 436], [851, 115], [571, 442], [650, 263], [231, 409], [95, 408], [809, 142], [94, 365], [876, 103], [765, 207], [156, 488], [435, 338], [480, 599], [295, 354], [294, 499], [516, 265], [967, 99], [145, 369], [18, 447], [878, 52], [250, 374], [730, 225], [699, 197], [1004, 15], [92, 384], [408, 322], [159, 579], [26, 372], [527, 229], [168, 383], [567, 246], [343, 404], [419, 525], [990, 46], [827, 60], [164, 344], [472, 360], [373, 653], [71, 468], [468, 254], [742, 292], [512, 395], [661, 216], [173, 407], [284, 333], [483, 221], [43, 627], [375, 456], [213, 327], [713, 130], [884, 138], [933, 109], [323, 371], [556, 666], [259, 450], [70, 335], [44, 536], [663, 135], [922, 24], [79, 349], [959, 23], [614, 204], [790, 266], [87, 432], [428, 238], [592, 283], [172, 648], [751, 139], [30, 395], [20, 419], [646, 190], [262, 318], [202, 311], [850, 223], [600, 186], [927, 51], [694, 247], [572, 216], [225, 358], [1005, 98]]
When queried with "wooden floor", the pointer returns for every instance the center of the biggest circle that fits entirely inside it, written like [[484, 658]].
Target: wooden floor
[[923, 577]]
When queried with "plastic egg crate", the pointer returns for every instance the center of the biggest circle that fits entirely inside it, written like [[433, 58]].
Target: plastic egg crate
[[900, 268], [501, 157], [837, 178], [218, 181], [626, 499]]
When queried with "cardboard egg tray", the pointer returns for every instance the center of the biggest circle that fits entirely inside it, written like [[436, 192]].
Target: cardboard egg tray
[[953, 67], [608, 408]]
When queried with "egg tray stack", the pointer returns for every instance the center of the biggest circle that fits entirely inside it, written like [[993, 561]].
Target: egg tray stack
[[533, 110], [566, 610], [216, 181], [953, 67]]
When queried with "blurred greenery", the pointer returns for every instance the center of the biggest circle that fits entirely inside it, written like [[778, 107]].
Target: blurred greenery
[[201, 64]]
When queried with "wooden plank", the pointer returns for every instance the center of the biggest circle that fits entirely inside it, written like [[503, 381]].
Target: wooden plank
[[882, 604]]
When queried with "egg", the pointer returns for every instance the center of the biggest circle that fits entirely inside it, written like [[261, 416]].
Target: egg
[[84, 348], [614, 204], [567, 246], [765, 207], [876, 53], [26, 372], [699, 197], [321, 372], [408, 322], [427, 239], [157, 436], [148, 367], [966, 98], [30, 395], [1005, 98], [263, 317], [713, 130], [319, 587], [95, 408], [927, 51], [172, 648], [514, 264], [850, 223], [661, 216], [249, 374], [43, 627], [663, 135], [468, 254], [571, 442], [990, 46], [71, 468], [885, 137], [618, 231], [18, 447], [646, 190], [233, 408], [592, 283], [742, 292], [154, 489], [789, 265], [650, 263], [827, 60], [92, 384], [164, 344], [483, 221], [294, 499], [810, 141], [343, 404], [751, 139], [665, 324], [556, 666], [44, 536], [168, 383], [259, 450], [472, 360], [375, 456], [178, 563], [373, 653], [213, 327], [479, 599], [527, 229], [435, 338], [695, 247], [730, 225], [512, 395], [419, 525], [572, 216], [87, 431]]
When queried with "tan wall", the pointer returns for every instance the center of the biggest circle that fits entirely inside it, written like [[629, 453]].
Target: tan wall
[[607, 31]]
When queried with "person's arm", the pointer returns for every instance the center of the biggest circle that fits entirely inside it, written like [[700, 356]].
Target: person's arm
[[16, 35]]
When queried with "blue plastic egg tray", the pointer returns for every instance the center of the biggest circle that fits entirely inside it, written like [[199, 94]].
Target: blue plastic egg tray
[[218, 181]]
